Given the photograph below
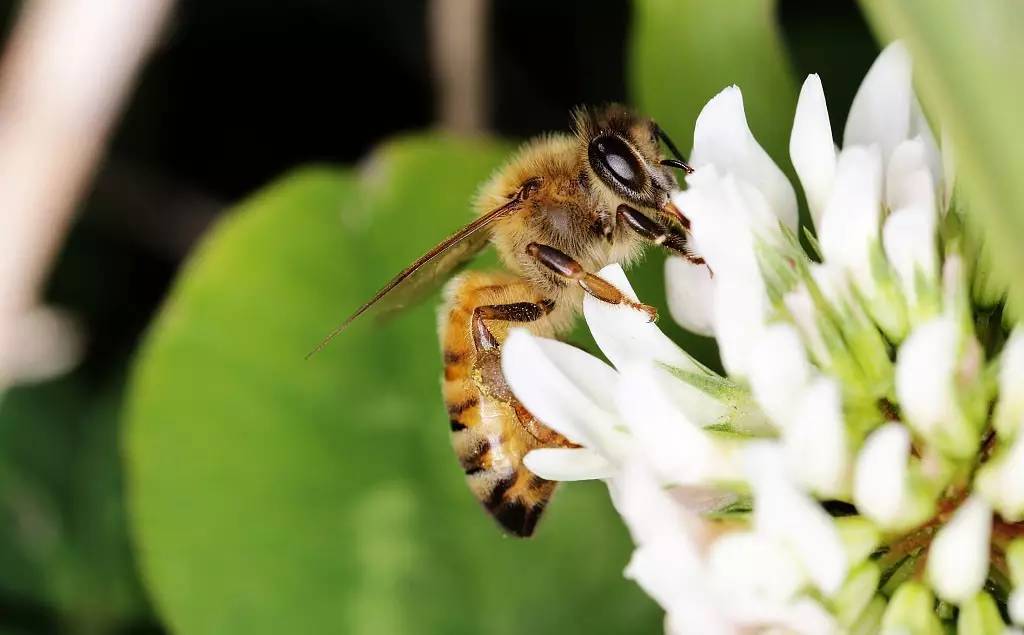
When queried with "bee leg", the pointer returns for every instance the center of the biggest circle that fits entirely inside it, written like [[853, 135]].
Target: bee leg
[[562, 264], [668, 237], [488, 362], [484, 340]]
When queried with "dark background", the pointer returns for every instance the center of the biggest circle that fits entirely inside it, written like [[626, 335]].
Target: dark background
[[240, 91]]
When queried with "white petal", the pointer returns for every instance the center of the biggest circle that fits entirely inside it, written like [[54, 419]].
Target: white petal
[[1001, 481], [779, 373], [648, 509], [811, 147], [801, 306], [678, 451], [924, 375], [722, 138], [568, 464], [959, 556], [909, 241], [567, 389], [739, 323], [850, 223], [908, 180], [726, 214], [1015, 606], [692, 614], [815, 442], [625, 334], [880, 477], [691, 291], [1009, 415], [880, 113], [793, 518], [660, 567], [749, 567], [671, 572]]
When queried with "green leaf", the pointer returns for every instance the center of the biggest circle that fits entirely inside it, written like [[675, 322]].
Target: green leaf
[[63, 535], [684, 52], [272, 494], [968, 63]]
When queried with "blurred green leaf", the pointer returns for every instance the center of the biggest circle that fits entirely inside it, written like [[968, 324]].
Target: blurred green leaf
[[968, 64], [272, 494], [685, 51], [63, 536]]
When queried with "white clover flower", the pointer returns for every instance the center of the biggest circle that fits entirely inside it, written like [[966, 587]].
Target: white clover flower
[[860, 466]]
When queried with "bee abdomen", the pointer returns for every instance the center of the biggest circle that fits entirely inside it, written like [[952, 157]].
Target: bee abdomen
[[486, 421], [517, 501]]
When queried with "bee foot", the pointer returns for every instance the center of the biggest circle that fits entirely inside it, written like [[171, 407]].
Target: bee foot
[[646, 309]]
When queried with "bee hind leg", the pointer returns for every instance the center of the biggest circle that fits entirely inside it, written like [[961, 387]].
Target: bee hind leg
[[565, 266], [484, 340]]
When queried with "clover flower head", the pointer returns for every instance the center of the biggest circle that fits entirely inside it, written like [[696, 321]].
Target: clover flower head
[[860, 466]]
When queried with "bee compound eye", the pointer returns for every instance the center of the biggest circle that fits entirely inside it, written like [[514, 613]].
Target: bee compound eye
[[612, 158]]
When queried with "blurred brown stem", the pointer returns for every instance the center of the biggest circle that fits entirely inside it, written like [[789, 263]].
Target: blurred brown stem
[[63, 78], [458, 39]]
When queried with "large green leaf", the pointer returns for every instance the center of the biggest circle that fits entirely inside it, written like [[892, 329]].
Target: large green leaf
[[969, 66], [63, 537], [686, 51], [276, 495]]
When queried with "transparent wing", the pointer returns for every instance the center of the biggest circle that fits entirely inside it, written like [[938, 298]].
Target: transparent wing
[[429, 270]]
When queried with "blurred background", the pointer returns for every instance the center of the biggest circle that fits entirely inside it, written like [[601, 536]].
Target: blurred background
[[232, 95]]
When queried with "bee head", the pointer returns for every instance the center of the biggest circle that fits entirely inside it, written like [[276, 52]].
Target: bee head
[[624, 153]]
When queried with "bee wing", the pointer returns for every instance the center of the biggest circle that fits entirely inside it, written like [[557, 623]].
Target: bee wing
[[422, 276]]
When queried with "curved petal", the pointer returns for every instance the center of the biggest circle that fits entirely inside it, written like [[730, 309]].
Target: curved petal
[[958, 559], [678, 450], [908, 239], [811, 147], [850, 224], [626, 335], [722, 138], [815, 443], [1001, 481], [880, 487], [791, 517], [567, 389], [568, 464], [779, 373], [739, 323], [751, 568], [908, 180], [727, 217], [648, 508], [690, 290], [880, 113], [1009, 414], [925, 370]]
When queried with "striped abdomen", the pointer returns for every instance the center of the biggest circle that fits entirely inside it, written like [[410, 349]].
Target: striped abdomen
[[491, 431]]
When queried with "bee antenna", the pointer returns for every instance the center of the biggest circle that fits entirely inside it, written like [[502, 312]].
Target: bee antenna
[[680, 160], [676, 163]]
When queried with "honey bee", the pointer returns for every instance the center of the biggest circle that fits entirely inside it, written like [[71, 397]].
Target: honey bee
[[562, 207]]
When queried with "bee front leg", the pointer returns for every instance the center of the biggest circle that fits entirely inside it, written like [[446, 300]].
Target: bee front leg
[[565, 266], [668, 237]]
